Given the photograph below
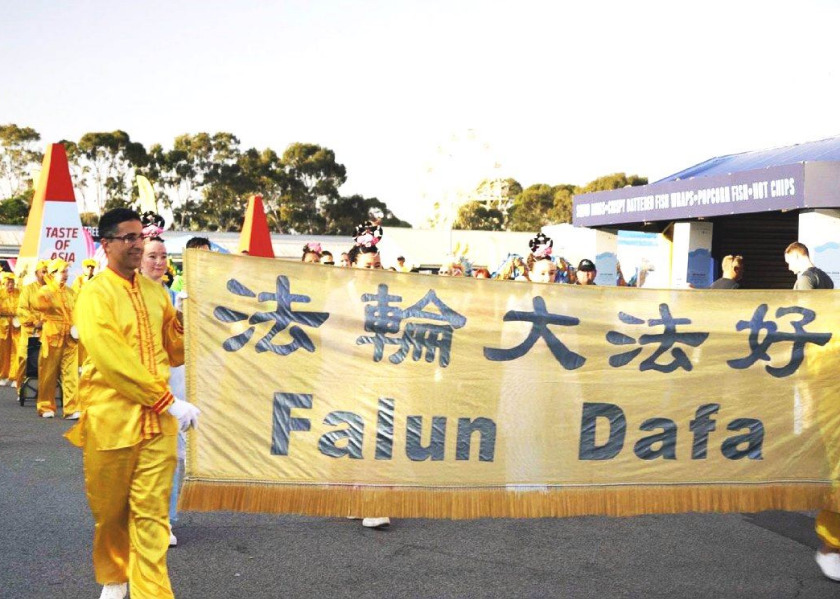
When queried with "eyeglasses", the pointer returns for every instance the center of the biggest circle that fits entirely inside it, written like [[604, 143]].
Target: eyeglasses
[[129, 239]]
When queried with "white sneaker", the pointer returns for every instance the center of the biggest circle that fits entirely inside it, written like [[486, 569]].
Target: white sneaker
[[829, 563], [48, 414], [4, 382], [115, 590], [376, 522], [73, 416], [14, 384], [173, 540]]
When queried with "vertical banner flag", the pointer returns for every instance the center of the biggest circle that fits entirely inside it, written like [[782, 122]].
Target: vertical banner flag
[[336, 391], [53, 227]]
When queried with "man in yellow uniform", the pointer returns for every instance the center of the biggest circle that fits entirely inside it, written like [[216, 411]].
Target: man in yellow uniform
[[29, 318], [59, 352], [88, 270], [132, 334], [9, 328]]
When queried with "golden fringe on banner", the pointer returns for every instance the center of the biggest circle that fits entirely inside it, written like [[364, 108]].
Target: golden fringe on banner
[[338, 501]]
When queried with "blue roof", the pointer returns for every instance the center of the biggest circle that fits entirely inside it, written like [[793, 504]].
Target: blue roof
[[813, 151]]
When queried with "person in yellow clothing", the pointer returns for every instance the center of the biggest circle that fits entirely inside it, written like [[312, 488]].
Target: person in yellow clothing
[[9, 328], [88, 270], [59, 348], [29, 318], [130, 418]]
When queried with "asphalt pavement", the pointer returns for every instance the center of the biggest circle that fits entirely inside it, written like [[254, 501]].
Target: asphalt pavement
[[46, 532]]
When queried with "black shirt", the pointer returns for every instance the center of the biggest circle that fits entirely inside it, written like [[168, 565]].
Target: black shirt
[[724, 283], [813, 278]]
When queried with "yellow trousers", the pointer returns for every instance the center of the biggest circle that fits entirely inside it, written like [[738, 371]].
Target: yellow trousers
[[8, 355], [52, 360], [128, 491], [22, 347]]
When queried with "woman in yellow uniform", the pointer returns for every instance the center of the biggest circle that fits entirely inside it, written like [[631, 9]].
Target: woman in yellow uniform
[[59, 348], [9, 333], [29, 318]]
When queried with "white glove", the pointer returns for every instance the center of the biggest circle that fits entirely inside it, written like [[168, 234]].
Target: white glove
[[16, 322], [186, 413], [179, 300], [74, 332]]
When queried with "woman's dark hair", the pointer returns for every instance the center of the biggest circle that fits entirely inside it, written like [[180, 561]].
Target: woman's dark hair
[[357, 250], [311, 248], [198, 242]]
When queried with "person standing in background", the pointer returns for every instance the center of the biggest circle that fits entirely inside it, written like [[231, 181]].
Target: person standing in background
[[59, 348], [88, 270], [733, 270], [808, 276], [9, 328], [29, 319]]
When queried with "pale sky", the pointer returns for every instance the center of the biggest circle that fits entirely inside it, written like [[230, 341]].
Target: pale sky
[[551, 92]]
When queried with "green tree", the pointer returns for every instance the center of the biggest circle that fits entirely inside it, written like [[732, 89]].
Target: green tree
[[531, 208], [344, 214], [111, 160], [614, 181], [89, 219], [18, 157], [15, 210], [203, 180], [309, 183], [477, 216], [561, 212]]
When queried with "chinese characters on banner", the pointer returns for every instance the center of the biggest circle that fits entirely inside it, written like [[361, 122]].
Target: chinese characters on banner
[[326, 389]]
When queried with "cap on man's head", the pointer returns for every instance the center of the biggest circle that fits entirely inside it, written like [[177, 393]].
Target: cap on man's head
[[89, 262], [57, 265], [586, 265]]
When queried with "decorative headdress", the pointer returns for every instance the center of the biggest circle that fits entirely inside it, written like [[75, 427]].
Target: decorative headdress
[[42, 264], [153, 224], [541, 246], [89, 262], [511, 268], [367, 236], [313, 247], [6, 276]]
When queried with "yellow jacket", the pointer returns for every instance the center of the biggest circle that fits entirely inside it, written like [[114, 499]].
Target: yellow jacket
[[132, 336], [8, 311], [55, 307], [79, 282], [27, 313]]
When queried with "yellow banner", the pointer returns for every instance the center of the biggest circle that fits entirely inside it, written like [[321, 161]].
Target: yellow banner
[[337, 391]]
